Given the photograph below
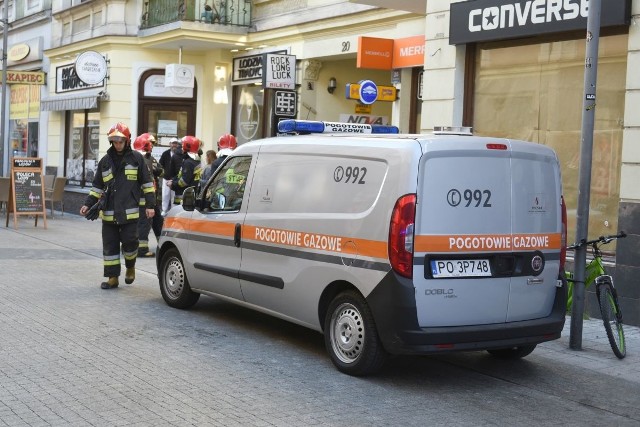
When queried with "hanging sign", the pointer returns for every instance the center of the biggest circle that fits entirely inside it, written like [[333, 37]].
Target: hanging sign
[[179, 75], [279, 71], [367, 92], [91, 67], [285, 103]]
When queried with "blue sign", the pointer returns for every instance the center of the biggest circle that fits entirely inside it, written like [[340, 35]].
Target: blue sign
[[368, 92]]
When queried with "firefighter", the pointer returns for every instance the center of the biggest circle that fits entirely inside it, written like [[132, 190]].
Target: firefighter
[[226, 144], [144, 145], [123, 178], [191, 170]]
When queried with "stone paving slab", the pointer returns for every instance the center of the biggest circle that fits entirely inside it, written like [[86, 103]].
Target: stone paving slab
[[73, 354]]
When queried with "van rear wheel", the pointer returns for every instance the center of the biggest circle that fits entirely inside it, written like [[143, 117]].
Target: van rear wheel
[[174, 285], [351, 337], [513, 352]]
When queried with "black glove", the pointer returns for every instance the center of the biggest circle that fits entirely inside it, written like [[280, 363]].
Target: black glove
[[94, 211]]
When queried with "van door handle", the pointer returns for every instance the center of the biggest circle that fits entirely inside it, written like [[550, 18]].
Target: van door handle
[[236, 235], [534, 281]]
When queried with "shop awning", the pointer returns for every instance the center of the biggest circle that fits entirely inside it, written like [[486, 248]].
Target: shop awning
[[85, 100]]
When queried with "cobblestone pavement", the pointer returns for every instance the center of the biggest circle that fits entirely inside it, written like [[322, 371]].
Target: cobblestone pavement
[[73, 354]]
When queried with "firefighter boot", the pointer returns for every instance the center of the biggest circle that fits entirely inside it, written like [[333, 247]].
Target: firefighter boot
[[110, 284], [130, 275]]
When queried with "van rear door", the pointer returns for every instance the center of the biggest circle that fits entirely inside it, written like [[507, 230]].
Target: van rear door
[[485, 252]]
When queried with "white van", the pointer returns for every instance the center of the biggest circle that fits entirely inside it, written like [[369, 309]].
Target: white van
[[386, 243]]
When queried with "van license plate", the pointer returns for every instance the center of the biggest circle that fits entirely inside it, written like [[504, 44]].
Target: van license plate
[[460, 268]]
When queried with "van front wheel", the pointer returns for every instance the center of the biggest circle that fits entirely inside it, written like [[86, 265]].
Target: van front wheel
[[174, 285], [350, 335]]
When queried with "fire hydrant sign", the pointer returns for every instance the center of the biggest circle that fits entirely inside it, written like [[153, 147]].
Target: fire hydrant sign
[[27, 190], [279, 71]]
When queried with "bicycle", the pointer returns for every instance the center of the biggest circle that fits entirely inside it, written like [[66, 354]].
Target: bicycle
[[605, 292]]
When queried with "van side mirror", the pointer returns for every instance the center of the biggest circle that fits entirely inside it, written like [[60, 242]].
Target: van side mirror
[[189, 199]]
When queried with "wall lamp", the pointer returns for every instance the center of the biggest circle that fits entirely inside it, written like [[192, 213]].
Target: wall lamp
[[333, 84]]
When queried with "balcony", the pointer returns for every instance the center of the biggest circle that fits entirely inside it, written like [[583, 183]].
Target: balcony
[[223, 12]]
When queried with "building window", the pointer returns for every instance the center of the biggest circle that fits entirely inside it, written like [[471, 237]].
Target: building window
[[534, 92], [83, 138]]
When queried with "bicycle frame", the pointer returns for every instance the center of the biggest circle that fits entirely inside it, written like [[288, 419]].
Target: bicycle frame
[[594, 268]]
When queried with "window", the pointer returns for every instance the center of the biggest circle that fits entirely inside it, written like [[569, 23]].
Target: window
[[226, 190], [534, 92], [83, 137]]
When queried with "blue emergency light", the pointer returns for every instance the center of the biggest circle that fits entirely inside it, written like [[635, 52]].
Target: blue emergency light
[[312, 126]]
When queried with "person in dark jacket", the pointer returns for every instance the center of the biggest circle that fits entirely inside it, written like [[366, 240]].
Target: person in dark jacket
[[165, 163], [144, 145], [125, 172], [191, 170], [174, 168]]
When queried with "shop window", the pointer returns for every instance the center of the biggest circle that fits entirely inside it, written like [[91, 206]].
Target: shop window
[[535, 93], [248, 117], [24, 115], [82, 155]]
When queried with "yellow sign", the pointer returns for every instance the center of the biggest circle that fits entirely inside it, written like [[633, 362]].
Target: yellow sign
[[18, 52], [25, 77], [25, 102], [385, 93], [363, 109]]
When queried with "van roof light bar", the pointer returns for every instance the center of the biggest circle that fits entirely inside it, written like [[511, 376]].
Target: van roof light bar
[[452, 130], [312, 126]]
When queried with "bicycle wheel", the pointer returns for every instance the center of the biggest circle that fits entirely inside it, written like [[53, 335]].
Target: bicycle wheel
[[611, 317]]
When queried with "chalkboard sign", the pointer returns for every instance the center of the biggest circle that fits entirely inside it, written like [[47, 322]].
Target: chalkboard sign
[[27, 190]]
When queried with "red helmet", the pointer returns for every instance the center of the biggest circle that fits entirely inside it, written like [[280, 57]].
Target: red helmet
[[227, 141], [144, 142], [190, 144], [119, 130]]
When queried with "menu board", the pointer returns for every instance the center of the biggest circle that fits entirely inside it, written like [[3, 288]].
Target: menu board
[[27, 190]]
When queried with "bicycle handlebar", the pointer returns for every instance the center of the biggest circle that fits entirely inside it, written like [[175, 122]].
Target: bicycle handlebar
[[602, 239]]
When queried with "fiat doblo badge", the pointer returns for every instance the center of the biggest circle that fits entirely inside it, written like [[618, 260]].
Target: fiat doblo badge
[[385, 243]]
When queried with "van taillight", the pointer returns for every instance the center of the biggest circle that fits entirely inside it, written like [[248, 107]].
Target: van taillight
[[563, 237], [497, 146], [401, 235]]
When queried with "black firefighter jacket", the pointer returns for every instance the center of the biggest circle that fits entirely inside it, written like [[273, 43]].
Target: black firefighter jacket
[[131, 180]]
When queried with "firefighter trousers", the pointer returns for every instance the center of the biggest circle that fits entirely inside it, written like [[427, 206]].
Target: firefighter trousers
[[144, 226], [113, 235]]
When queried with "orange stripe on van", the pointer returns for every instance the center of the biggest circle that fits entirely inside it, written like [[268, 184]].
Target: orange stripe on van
[[487, 242], [200, 226], [315, 241]]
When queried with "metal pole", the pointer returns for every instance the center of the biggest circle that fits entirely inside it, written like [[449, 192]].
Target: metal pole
[[584, 185], [4, 142]]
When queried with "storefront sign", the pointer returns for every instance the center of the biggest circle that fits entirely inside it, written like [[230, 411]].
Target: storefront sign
[[18, 52], [179, 75], [25, 77], [24, 52], [67, 80], [485, 20], [375, 53], [285, 103], [154, 86], [279, 71], [364, 119], [408, 52], [91, 67], [362, 109], [368, 92], [248, 69]]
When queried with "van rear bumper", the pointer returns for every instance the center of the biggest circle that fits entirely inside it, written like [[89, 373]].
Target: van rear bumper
[[394, 310]]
